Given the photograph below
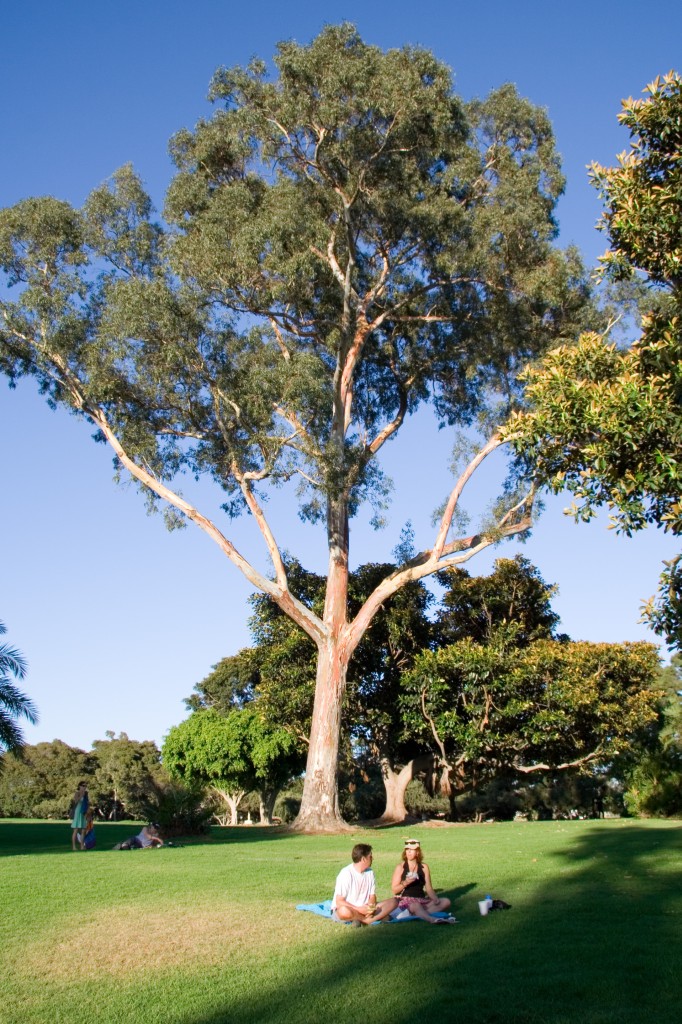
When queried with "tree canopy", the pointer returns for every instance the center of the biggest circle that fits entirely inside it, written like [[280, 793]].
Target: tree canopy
[[344, 241], [233, 753], [41, 782], [606, 423], [126, 773], [492, 708], [120, 774], [472, 607]]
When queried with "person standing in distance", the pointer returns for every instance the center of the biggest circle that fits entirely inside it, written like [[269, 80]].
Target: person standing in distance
[[80, 809]]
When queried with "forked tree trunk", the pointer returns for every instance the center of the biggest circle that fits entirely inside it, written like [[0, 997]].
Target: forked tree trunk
[[233, 800], [396, 783]]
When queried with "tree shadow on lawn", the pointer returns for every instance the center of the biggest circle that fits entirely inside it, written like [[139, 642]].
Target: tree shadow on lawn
[[29, 837], [602, 946]]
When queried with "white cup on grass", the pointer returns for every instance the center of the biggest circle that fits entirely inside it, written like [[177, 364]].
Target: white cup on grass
[[483, 907]]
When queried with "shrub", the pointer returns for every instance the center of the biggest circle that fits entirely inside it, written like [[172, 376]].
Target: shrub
[[178, 810]]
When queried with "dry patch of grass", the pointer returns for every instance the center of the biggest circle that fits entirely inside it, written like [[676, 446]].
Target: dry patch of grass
[[124, 942]]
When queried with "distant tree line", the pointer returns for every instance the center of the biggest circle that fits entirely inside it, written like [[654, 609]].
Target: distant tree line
[[121, 775]]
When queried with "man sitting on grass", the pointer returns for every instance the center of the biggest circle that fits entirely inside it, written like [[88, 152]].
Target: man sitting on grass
[[354, 896]]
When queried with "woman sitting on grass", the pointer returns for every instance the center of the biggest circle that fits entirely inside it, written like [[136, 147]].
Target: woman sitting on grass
[[411, 883]]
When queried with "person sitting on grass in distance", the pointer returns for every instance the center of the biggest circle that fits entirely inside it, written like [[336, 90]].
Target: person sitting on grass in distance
[[354, 896], [88, 834], [411, 884], [148, 837], [145, 839]]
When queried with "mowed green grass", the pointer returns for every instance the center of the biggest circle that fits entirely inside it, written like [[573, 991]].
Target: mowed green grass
[[208, 933]]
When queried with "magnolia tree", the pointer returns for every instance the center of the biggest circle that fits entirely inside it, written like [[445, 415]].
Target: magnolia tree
[[605, 422], [496, 708], [344, 241]]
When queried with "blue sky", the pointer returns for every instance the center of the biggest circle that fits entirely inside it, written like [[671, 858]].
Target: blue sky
[[117, 618]]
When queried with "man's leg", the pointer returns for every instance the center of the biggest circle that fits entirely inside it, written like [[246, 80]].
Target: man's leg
[[348, 913]]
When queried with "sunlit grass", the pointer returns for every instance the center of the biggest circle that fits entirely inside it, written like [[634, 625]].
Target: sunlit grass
[[208, 933]]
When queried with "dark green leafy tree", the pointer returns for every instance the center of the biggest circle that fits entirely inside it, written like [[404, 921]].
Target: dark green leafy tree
[[126, 773], [473, 607], [654, 780], [13, 703], [230, 684], [41, 782], [606, 423], [345, 240], [497, 708]]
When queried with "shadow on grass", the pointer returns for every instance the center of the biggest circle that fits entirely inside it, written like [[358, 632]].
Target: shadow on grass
[[35, 837], [601, 946], [30, 837]]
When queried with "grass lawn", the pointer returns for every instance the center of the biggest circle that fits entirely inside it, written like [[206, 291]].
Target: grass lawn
[[207, 933]]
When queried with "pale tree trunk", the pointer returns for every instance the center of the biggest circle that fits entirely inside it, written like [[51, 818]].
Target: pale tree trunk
[[233, 800], [319, 810], [396, 783]]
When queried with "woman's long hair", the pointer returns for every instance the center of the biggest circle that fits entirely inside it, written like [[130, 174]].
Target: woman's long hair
[[419, 856]]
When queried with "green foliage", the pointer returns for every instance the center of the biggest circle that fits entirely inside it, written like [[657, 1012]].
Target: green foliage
[[643, 194], [607, 428], [654, 785], [177, 809], [120, 774], [239, 750], [550, 705], [13, 703], [663, 612], [515, 592], [229, 684], [41, 782], [605, 423], [654, 781], [126, 773]]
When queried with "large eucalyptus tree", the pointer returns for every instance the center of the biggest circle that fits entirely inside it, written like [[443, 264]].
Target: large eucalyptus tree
[[344, 241]]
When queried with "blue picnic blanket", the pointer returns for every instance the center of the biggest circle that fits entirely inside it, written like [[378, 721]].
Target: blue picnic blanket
[[324, 909]]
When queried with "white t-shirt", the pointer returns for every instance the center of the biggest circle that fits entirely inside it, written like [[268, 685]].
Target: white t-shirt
[[354, 886]]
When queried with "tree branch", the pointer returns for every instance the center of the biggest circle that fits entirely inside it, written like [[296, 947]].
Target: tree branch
[[527, 769], [279, 592]]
